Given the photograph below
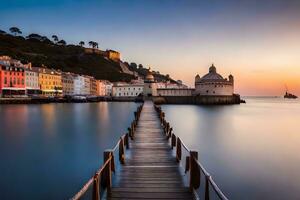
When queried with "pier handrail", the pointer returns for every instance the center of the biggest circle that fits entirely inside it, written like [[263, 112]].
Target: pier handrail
[[103, 175], [191, 161]]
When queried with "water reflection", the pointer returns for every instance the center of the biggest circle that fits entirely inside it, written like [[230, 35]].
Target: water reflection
[[251, 149], [49, 151]]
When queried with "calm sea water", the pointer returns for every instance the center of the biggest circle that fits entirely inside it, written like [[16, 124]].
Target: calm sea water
[[252, 150], [49, 151]]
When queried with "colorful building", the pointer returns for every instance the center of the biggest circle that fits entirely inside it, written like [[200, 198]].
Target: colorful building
[[12, 80], [49, 81], [32, 82], [82, 85], [101, 88], [93, 86], [67, 80]]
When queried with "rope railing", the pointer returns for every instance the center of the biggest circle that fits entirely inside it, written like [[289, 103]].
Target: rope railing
[[103, 176], [193, 166]]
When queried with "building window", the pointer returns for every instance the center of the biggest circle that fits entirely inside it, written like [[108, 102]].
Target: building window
[[5, 80]]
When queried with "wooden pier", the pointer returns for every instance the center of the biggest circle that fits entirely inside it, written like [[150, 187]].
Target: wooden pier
[[150, 167]]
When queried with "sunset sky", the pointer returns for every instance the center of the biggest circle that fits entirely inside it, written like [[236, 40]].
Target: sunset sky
[[258, 41]]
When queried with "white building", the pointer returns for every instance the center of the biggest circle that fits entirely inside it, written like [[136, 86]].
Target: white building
[[150, 85], [68, 83], [127, 90], [32, 82], [108, 88], [213, 84], [175, 92], [82, 85]]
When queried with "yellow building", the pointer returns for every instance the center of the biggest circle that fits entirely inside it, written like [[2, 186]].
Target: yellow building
[[50, 81], [113, 55]]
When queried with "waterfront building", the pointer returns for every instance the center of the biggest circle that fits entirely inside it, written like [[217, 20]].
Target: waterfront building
[[213, 84], [93, 86], [101, 87], [127, 90], [67, 79], [108, 88], [175, 92], [150, 85], [32, 82], [82, 85], [49, 81], [87, 85], [12, 80], [78, 85]]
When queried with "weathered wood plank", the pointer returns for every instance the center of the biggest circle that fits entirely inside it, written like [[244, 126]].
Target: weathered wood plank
[[150, 170]]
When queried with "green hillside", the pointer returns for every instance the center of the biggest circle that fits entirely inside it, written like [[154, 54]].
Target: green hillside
[[69, 58]]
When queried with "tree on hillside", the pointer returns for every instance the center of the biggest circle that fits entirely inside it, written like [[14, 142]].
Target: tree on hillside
[[15, 31], [141, 66], [45, 39], [61, 42], [133, 66], [81, 43], [167, 76], [93, 44], [55, 38], [96, 45], [34, 36], [2, 32]]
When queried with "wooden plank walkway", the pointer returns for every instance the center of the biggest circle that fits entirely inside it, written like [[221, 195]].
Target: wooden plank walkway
[[150, 170]]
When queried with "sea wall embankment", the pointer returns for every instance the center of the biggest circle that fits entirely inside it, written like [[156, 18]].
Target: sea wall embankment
[[198, 100]]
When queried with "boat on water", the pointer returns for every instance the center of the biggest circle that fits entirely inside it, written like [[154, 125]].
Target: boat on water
[[290, 96]]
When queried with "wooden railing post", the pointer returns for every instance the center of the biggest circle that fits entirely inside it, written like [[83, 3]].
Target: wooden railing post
[[106, 175], [194, 171], [173, 141], [96, 190], [130, 133], [121, 151], [207, 177], [178, 150], [126, 140]]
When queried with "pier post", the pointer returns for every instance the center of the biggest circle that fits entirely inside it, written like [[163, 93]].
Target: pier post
[[96, 190], [106, 176], [206, 196], [121, 151], [173, 141], [194, 171], [178, 150], [126, 140]]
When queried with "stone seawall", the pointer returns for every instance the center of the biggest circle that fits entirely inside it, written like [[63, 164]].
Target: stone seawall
[[198, 100]]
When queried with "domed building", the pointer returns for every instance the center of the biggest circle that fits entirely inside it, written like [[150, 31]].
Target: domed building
[[150, 85], [213, 84]]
